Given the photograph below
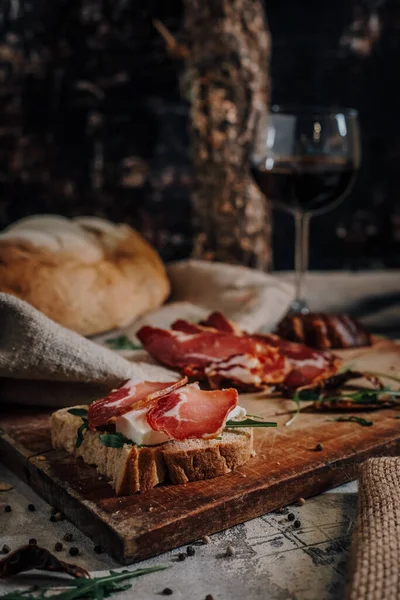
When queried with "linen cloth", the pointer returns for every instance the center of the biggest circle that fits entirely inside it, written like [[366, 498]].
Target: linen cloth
[[375, 555]]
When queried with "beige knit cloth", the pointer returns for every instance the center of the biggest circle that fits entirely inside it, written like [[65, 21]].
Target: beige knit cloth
[[375, 556]]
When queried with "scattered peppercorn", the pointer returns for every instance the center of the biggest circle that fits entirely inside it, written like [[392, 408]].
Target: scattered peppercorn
[[33, 541], [291, 517], [68, 537], [98, 549], [230, 551], [297, 524], [319, 447], [190, 551], [31, 507], [181, 556], [53, 518], [58, 546], [205, 539], [301, 502], [6, 549], [74, 551], [7, 508], [209, 597], [167, 592]]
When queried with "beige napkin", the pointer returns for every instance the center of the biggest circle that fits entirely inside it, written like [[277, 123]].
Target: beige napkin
[[375, 558]]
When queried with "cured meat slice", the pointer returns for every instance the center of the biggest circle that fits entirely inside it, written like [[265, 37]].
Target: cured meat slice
[[130, 394], [190, 412], [218, 321], [187, 327], [247, 372], [184, 350]]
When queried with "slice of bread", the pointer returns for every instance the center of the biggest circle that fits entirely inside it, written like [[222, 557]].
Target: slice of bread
[[132, 469]]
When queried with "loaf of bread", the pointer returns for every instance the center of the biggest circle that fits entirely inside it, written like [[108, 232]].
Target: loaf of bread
[[132, 469], [87, 274]]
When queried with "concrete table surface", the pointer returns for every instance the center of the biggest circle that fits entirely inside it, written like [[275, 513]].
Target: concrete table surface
[[272, 560]]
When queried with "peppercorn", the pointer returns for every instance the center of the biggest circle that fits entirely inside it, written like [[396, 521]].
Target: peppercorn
[[190, 551], [59, 516], [7, 508], [53, 518], [209, 597], [68, 537], [181, 556], [98, 549], [31, 507], [230, 551], [319, 447], [205, 539], [6, 549], [58, 546], [33, 541], [291, 517], [301, 502], [167, 592], [74, 551], [297, 524]]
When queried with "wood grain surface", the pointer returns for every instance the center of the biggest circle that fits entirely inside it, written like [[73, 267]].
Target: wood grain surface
[[286, 467]]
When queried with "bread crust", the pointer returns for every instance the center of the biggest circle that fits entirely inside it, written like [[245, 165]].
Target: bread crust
[[90, 297], [132, 469]]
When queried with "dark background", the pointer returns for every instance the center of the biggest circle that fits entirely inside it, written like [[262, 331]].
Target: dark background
[[92, 120]]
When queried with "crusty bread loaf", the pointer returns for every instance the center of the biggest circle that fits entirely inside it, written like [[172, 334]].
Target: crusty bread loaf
[[132, 469], [88, 274]]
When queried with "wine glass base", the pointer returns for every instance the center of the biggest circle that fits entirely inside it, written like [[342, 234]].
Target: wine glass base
[[298, 306]]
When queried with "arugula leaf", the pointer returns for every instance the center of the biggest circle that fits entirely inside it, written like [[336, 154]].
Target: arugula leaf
[[78, 412], [250, 423], [96, 588], [353, 419], [307, 395], [114, 440], [122, 342], [79, 434]]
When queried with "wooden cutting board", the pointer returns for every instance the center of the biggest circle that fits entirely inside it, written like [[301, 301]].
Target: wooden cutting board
[[286, 467]]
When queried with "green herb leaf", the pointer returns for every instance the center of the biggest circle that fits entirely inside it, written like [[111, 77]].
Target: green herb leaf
[[122, 342], [307, 395], [250, 423], [96, 588], [79, 434], [353, 419], [78, 412], [114, 440]]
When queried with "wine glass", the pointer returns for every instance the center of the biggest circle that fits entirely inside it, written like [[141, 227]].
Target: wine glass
[[305, 160]]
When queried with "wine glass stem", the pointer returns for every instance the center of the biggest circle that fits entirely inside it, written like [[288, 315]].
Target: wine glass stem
[[302, 221]]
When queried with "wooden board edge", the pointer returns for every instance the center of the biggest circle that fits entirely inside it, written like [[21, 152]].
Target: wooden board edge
[[52, 491], [258, 502]]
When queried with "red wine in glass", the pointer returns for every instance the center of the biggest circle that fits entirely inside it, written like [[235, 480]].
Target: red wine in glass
[[305, 161], [309, 184]]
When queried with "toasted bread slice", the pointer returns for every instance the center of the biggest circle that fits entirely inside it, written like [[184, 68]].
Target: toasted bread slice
[[132, 469]]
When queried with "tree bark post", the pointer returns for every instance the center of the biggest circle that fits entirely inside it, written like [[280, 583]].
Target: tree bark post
[[227, 82]]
